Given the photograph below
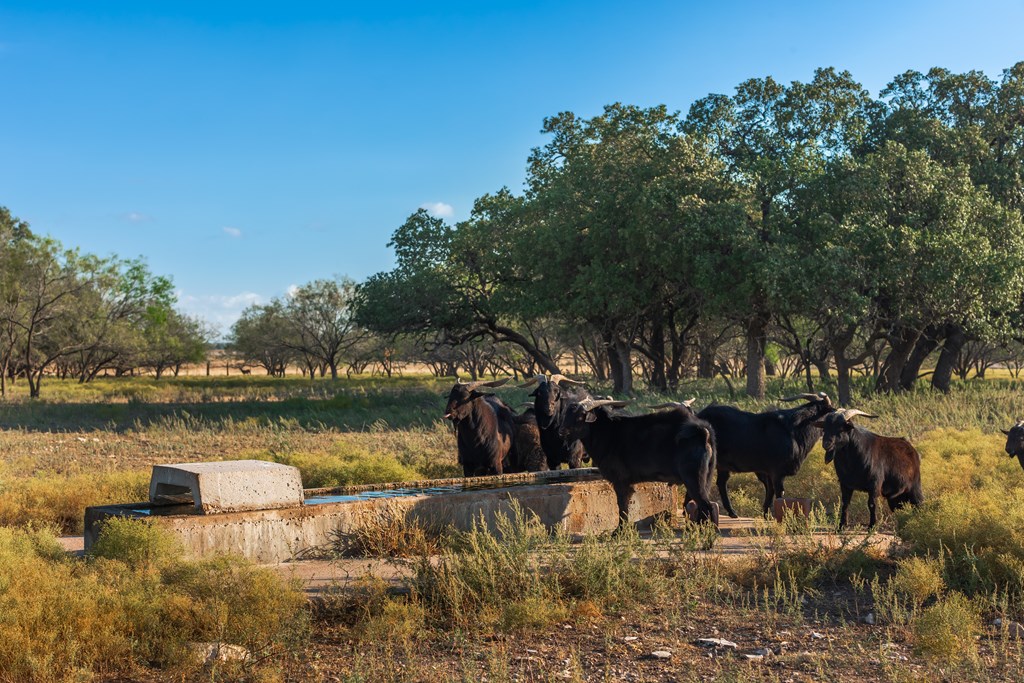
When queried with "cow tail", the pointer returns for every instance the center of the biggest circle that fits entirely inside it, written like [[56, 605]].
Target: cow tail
[[709, 463], [916, 496]]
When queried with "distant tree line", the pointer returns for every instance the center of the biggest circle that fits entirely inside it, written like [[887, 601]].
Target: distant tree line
[[782, 228], [313, 328], [76, 315]]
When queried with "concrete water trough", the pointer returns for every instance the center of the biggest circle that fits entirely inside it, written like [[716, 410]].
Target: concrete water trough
[[249, 508]]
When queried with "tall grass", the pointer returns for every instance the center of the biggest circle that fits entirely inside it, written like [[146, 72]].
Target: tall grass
[[133, 605]]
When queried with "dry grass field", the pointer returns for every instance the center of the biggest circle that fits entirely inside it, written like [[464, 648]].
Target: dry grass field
[[530, 607]]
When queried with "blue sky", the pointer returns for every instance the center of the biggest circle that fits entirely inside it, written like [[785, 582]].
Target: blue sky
[[246, 147]]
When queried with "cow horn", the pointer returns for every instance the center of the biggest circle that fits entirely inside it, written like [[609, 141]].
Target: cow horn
[[850, 413], [475, 385], [536, 379], [589, 404], [821, 395], [673, 404], [558, 379]]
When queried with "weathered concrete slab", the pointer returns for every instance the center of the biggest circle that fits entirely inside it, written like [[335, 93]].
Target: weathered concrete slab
[[277, 535], [228, 486]]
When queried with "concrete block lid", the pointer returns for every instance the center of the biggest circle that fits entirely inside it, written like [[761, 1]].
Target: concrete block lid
[[227, 486]]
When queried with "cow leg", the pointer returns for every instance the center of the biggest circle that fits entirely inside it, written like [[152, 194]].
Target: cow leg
[[695, 492], [780, 487], [623, 494], [872, 498], [769, 494], [723, 492], [847, 495]]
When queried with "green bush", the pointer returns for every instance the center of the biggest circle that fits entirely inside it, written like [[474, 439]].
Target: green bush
[[137, 543], [918, 579], [65, 619], [946, 630], [978, 534]]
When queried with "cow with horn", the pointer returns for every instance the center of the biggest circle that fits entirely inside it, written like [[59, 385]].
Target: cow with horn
[[551, 399], [671, 446], [772, 444], [485, 428], [864, 461], [1015, 441]]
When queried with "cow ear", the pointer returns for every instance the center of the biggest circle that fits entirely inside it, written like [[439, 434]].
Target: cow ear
[[476, 394], [820, 424], [591, 416], [1005, 431]]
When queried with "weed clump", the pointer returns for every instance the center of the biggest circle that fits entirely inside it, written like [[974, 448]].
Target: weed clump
[[137, 543], [387, 531], [946, 630], [978, 534], [133, 605], [918, 579]]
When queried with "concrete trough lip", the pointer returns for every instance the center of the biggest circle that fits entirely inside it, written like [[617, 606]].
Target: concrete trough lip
[[578, 501]]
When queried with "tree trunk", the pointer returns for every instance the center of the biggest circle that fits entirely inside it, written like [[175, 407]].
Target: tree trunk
[[757, 328], [625, 357], [901, 346], [659, 379], [922, 349], [843, 381], [705, 359], [614, 365], [951, 347]]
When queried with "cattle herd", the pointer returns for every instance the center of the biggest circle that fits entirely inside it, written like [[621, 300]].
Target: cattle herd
[[676, 445]]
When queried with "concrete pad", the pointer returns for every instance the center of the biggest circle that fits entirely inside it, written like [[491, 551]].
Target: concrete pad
[[228, 486]]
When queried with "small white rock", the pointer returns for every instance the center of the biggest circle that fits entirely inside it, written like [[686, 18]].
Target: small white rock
[[716, 642], [661, 654], [817, 636], [751, 657], [630, 639], [218, 652], [869, 618]]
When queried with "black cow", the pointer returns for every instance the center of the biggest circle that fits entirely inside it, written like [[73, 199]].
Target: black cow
[[529, 453], [671, 446], [484, 426], [1015, 441], [551, 399], [864, 461], [772, 444]]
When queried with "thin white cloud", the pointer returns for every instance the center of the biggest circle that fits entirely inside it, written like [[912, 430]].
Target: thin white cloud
[[439, 209], [137, 217], [221, 310], [232, 232]]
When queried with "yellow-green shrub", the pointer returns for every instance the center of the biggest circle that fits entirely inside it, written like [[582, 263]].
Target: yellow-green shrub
[[946, 629], [979, 534], [918, 579], [66, 619], [137, 543], [347, 467], [59, 501]]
